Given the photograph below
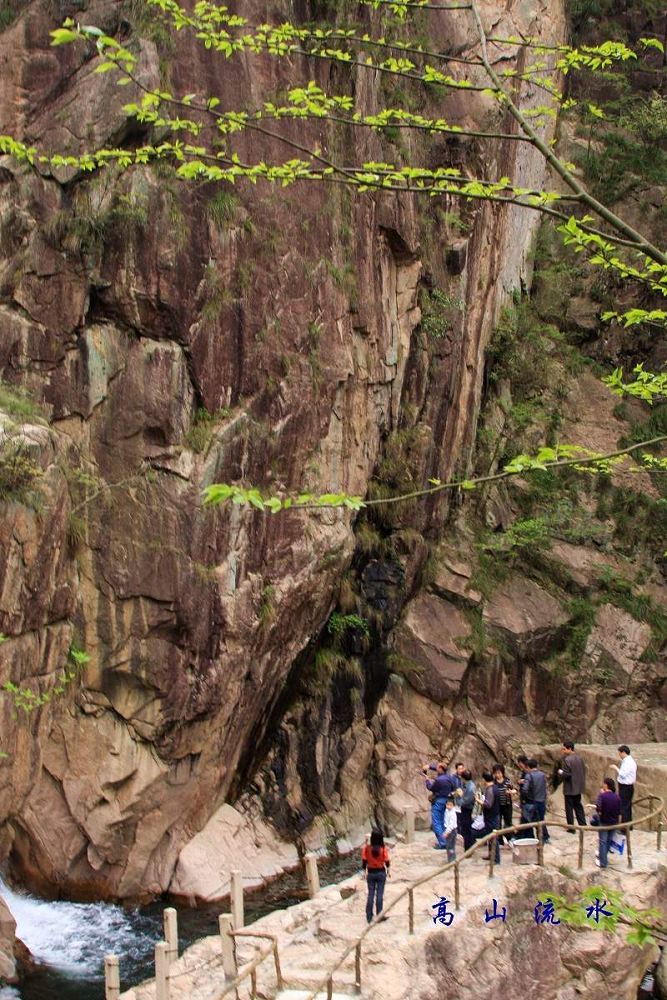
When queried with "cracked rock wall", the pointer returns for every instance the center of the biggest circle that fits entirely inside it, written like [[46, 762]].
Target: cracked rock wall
[[172, 341]]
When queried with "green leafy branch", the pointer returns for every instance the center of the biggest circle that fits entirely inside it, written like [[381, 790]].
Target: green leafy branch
[[648, 386], [645, 926], [562, 456], [215, 27]]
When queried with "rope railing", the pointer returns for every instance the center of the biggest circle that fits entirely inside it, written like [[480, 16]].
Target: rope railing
[[327, 980]]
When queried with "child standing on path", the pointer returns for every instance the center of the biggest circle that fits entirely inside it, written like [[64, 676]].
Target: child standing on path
[[375, 863], [451, 829]]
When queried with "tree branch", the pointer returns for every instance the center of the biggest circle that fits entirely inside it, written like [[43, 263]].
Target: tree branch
[[613, 220]]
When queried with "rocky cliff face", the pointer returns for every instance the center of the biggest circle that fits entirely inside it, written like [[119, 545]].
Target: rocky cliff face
[[172, 337]]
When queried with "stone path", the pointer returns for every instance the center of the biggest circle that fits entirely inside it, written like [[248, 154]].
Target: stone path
[[312, 935]]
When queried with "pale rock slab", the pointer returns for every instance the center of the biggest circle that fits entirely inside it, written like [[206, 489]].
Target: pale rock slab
[[526, 614], [430, 636], [617, 639], [230, 840]]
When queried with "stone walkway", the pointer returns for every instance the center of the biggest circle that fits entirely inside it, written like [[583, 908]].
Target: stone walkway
[[313, 934]]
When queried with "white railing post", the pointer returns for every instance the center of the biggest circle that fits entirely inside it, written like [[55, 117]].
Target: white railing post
[[227, 944], [238, 916], [312, 875], [409, 824], [161, 971], [170, 919], [111, 977]]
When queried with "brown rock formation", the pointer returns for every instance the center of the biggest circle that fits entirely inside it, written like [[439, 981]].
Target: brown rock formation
[[7, 945], [127, 310]]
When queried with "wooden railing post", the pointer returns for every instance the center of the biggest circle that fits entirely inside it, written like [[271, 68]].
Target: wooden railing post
[[253, 984], [111, 977], [409, 824], [411, 911], [540, 845], [228, 948], [161, 971], [238, 916], [658, 842], [329, 988], [279, 974], [357, 968], [581, 848], [492, 854], [628, 847], [312, 875], [170, 919], [457, 887]]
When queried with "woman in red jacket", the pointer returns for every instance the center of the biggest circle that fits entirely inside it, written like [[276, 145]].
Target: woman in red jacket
[[375, 864]]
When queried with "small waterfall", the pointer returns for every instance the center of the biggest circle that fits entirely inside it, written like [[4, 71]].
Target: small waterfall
[[75, 937]]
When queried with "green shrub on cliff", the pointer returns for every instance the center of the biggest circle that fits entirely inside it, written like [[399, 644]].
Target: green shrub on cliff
[[7, 14], [19, 473], [18, 403]]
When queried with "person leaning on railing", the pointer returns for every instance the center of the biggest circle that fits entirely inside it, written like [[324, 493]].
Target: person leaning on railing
[[608, 808]]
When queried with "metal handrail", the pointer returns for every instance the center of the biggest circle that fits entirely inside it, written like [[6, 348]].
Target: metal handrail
[[327, 980]]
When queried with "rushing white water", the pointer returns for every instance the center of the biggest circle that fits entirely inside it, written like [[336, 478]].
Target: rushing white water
[[75, 937]]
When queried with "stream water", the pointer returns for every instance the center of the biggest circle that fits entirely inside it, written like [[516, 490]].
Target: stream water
[[70, 940]]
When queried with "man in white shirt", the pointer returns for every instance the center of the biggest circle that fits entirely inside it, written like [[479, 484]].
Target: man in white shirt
[[627, 775]]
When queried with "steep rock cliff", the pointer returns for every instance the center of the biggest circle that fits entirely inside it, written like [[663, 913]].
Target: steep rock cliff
[[177, 337]]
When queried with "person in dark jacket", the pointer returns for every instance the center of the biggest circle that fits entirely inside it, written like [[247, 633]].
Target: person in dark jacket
[[491, 809], [441, 787], [522, 764], [504, 792], [608, 807], [375, 863], [573, 772], [535, 790], [467, 802]]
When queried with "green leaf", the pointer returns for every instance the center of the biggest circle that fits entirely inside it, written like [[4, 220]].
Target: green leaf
[[61, 36]]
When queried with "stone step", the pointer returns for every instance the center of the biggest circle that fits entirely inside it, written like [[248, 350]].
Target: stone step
[[305, 978], [302, 994]]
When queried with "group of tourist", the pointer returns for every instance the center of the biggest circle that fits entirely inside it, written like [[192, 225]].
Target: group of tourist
[[459, 807]]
